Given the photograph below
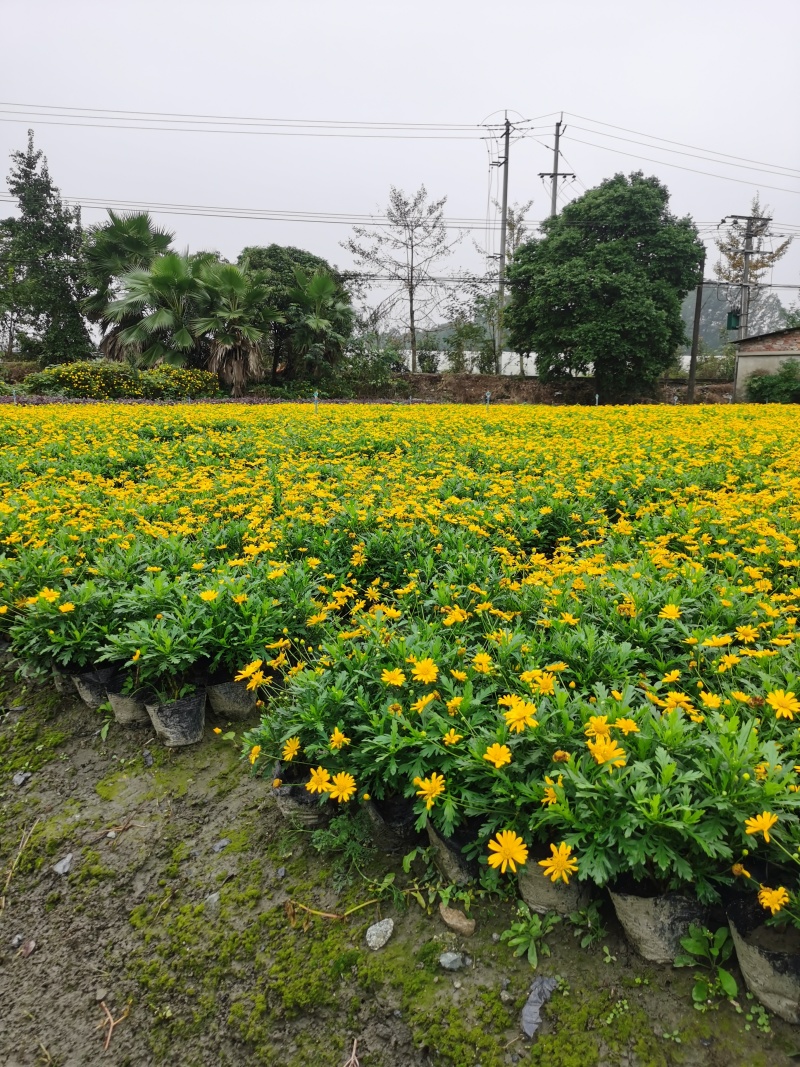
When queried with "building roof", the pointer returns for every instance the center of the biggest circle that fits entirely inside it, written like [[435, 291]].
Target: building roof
[[771, 333]]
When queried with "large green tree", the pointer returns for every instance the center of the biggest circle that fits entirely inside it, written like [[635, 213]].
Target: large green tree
[[126, 242], [601, 290], [289, 303], [40, 280]]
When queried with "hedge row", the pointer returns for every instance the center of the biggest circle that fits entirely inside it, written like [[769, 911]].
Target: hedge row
[[112, 381]]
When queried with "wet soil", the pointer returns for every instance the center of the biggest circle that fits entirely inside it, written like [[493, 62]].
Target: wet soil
[[183, 914]]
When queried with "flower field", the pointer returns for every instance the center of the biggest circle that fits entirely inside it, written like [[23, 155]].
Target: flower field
[[566, 636]]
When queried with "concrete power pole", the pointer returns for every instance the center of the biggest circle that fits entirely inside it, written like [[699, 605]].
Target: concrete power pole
[[747, 252], [698, 307], [501, 286], [554, 176]]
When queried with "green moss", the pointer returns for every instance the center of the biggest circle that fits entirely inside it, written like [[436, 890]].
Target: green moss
[[91, 871], [28, 745]]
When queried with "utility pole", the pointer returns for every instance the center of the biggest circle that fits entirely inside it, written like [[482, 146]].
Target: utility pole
[[747, 252], [554, 176], [698, 306], [501, 287]]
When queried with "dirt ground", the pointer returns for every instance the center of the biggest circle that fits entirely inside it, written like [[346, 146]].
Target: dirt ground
[[173, 917]]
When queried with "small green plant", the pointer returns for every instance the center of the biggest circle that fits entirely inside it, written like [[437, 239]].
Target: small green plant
[[348, 839], [754, 1013], [620, 1008], [527, 936], [708, 951], [588, 925], [672, 1035], [108, 717], [607, 957]]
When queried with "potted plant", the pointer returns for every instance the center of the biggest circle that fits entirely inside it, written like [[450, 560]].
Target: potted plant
[[167, 657]]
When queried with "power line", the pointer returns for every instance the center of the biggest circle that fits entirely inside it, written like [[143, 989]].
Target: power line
[[692, 170], [666, 140], [692, 155]]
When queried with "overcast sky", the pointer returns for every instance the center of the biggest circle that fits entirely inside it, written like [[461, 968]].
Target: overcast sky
[[719, 77]]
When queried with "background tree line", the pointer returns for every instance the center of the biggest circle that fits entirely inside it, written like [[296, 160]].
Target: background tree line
[[605, 289]]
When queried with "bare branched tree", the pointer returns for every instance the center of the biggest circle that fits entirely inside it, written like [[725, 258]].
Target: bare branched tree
[[404, 255]]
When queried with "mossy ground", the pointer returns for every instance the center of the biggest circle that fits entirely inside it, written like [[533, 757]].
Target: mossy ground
[[242, 979]]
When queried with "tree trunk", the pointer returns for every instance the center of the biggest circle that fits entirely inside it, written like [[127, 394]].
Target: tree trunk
[[412, 329]]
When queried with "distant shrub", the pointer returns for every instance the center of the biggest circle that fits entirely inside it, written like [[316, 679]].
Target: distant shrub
[[783, 387], [103, 380], [16, 370]]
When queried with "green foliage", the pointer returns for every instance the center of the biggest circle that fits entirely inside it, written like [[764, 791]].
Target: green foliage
[[708, 951], [527, 935], [40, 267], [588, 925], [348, 838], [100, 380], [782, 387], [601, 291]]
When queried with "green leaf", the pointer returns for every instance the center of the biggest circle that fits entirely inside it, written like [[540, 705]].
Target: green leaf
[[727, 982], [700, 991]]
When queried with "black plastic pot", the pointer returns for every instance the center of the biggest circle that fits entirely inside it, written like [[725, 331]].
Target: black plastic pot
[[392, 823], [543, 895], [232, 700], [296, 804], [654, 925], [180, 722], [92, 685], [769, 958], [63, 682]]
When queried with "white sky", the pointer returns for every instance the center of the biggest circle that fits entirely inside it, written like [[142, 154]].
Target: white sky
[[723, 76]]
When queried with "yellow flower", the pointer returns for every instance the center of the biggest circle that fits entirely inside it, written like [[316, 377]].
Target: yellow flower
[[136, 656], [460, 676], [319, 782], [550, 796], [425, 671], [430, 788], [499, 755], [507, 850], [670, 611], [545, 684], [560, 756], [520, 713], [217, 730], [761, 824], [746, 634], [66, 607], [291, 748], [453, 704], [774, 899], [570, 620], [711, 700], [424, 701], [673, 676], [727, 661], [597, 726], [366, 796], [604, 750], [49, 595], [342, 787], [616, 694], [482, 663], [451, 737], [153, 570], [560, 864], [785, 705], [338, 739], [209, 594], [198, 566], [628, 726], [277, 783], [251, 668], [254, 753], [240, 598], [739, 871], [3, 609], [717, 642], [393, 677]]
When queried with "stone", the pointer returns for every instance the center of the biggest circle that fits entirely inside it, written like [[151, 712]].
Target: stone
[[219, 845], [541, 991], [451, 961], [148, 758], [100, 994], [21, 777], [457, 921], [211, 903], [456, 984], [17, 940], [64, 866], [451, 864], [281, 872], [379, 933], [505, 996], [496, 938], [111, 834]]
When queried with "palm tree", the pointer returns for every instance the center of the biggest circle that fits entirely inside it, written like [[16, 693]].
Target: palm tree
[[321, 321], [126, 242], [234, 317], [164, 301]]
